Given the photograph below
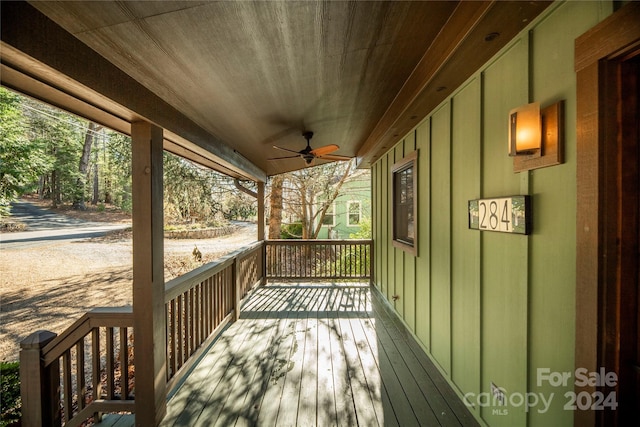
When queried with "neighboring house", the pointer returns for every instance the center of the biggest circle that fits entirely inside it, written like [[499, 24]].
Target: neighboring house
[[353, 204]]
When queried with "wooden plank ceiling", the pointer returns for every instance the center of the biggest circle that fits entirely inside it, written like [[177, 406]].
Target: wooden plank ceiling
[[254, 74]]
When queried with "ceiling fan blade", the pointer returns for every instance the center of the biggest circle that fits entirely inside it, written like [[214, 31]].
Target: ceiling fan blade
[[285, 157], [334, 157], [286, 149], [326, 149]]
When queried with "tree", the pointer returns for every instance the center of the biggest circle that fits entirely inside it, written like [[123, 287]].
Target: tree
[[310, 192], [62, 135], [22, 160], [78, 199], [275, 206], [195, 193], [115, 170]]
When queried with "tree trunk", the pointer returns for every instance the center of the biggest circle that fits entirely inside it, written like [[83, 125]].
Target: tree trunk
[[41, 184], [275, 204], [307, 208], [329, 201], [96, 185], [78, 199], [55, 187]]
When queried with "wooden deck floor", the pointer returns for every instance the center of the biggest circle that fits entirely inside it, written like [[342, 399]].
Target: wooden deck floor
[[315, 355]]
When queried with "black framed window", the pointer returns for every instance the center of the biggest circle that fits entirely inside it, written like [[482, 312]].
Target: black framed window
[[405, 221]]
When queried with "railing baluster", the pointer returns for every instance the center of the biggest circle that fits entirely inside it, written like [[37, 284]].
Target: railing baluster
[[206, 308], [197, 315], [180, 331], [81, 389], [124, 364], [192, 321], [185, 322], [221, 297], [95, 364], [228, 287], [110, 365], [172, 337], [66, 386]]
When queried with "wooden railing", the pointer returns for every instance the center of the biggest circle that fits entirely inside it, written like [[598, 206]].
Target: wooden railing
[[200, 303], [318, 259], [88, 369], [81, 373]]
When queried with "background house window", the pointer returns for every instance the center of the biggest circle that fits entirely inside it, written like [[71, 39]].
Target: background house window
[[329, 217], [354, 212], [405, 224]]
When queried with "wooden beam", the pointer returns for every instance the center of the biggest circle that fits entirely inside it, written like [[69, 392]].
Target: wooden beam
[[483, 28], [148, 274], [465, 17]]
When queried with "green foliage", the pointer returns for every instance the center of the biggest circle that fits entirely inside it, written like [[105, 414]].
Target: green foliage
[[194, 193], [365, 230], [41, 149], [62, 137], [114, 166], [351, 259], [291, 231], [22, 159], [239, 207], [188, 191], [9, 393]]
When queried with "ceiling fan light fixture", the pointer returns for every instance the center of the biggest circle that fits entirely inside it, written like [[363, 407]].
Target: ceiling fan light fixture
[[309, 154]]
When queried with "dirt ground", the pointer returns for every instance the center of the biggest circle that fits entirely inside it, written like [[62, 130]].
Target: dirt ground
[[50, 286]]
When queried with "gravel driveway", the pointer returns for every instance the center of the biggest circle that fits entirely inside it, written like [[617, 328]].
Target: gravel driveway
[[50, 285]]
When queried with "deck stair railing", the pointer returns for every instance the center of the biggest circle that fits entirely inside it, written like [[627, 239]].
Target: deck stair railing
[[88, 370], [80, 373]]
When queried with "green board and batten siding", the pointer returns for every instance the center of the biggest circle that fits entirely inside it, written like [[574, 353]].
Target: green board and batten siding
[[492, 307]]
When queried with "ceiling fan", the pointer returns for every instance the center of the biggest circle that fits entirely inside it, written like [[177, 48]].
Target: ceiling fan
[[310, 154]]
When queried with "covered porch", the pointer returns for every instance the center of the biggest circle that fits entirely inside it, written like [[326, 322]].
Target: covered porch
[[313, 353], [277, 333]]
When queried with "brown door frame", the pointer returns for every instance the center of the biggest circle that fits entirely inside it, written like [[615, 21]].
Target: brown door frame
[[597, 54]]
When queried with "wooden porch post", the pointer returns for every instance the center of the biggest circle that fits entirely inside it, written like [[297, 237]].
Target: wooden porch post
[[261, 231], [148, 274], [39, 386], [260, 211]]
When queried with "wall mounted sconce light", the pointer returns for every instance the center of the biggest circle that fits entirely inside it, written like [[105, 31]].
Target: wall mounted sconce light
[[536, 136]]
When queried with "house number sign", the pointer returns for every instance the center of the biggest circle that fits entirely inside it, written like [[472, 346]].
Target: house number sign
[[504, 214]]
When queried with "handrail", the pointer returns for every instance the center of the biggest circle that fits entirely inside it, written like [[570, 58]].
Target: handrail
[[97, 317], [307, 242]]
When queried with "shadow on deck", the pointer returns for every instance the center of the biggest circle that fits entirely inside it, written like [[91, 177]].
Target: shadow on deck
[[315, 354]]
